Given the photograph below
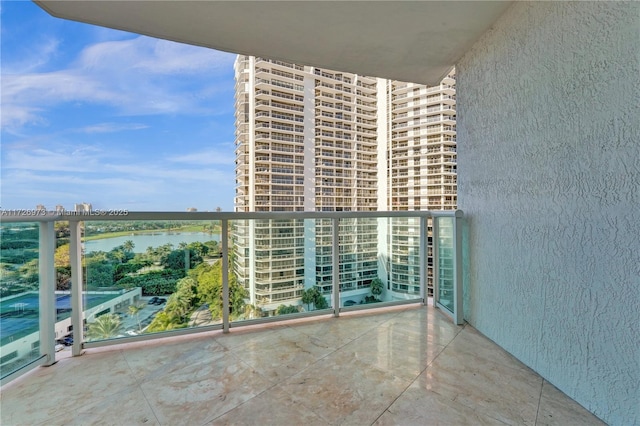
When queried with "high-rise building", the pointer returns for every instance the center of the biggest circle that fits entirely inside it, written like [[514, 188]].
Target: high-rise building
[[421, 174], [311, 139]]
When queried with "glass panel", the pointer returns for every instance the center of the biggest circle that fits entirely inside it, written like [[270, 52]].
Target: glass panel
[[283, 265], [19, 296], [150, 276], [360, 282], [445, 262], [404, 258]]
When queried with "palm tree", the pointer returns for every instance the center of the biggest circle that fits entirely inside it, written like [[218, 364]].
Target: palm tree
[[104, 327], [164, 321], [134, 311], [128, 246], [308, 297]]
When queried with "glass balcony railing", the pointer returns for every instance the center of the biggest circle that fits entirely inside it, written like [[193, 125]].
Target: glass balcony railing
[[20, 295], [90, 279]]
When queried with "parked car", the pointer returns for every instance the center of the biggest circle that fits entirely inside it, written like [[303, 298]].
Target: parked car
[[162, 300], [153, 301], [67, 341], [350, 303]]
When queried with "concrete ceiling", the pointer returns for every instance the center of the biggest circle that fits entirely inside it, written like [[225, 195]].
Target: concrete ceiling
[[415, 41]]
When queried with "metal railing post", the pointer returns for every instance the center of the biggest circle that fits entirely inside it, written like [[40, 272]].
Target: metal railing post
[[47, 306], [335, 261], [225, 275], [457, 267], [435, 250], [77, 312], [423, 259]]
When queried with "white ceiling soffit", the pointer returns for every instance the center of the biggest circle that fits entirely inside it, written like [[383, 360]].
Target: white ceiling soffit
[[415, 41]]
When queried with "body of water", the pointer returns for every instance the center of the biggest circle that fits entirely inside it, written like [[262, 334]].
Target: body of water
[[142, 241]]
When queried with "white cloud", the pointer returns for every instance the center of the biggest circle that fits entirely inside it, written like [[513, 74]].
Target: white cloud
[[94, 160], [68, 163], [65, 159], [112, 127], [111, 180], [136, 76], [14, 117], [152, 56], [33, 58]]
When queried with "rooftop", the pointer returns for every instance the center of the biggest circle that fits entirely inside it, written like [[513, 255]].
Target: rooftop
[[402, 365]]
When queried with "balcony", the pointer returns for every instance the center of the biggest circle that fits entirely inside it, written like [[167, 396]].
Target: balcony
[[589, 270], [405, 357], [407, 365]]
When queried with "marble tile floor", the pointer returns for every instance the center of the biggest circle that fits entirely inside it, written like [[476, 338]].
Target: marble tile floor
[[401, 366]]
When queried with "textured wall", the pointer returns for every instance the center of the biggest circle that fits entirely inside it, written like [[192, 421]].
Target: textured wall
[[549, 179]]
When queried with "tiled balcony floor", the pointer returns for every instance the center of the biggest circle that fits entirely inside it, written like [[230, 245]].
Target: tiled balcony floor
[[407, 366]]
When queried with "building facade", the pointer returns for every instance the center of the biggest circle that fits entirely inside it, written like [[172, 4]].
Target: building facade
[[311, 139]]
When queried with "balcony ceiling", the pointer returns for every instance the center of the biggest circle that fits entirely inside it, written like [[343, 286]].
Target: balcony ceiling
[[409, 41]]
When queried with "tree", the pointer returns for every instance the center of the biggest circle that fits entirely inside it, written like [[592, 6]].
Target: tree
[[63, 278], [376, 286], [63, 267], [164, 321], [289, 309], [209, 290], [123, 269], [61, 257], [153, 282], [104, 327], [118, 254], [183, 301], [62, 229], [313, 295], [134, 311], [199, 248], [176, 259], [128, 246], [308, 297], [161, 252], [320, 302]]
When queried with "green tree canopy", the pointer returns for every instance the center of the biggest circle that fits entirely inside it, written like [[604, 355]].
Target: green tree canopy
[[308, 297], [288, 309], [176, 259], [209, 290], [104, 327], [61, 257], [313, 295], [376, 286]]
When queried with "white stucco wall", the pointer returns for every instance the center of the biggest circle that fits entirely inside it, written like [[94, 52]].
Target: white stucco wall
[[549, 180]]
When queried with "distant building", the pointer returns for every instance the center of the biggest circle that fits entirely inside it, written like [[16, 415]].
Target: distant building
[[83, 207], [192, 209], [41, 207]]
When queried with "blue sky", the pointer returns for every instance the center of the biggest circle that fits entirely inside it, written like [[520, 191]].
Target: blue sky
[[111, 118]]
